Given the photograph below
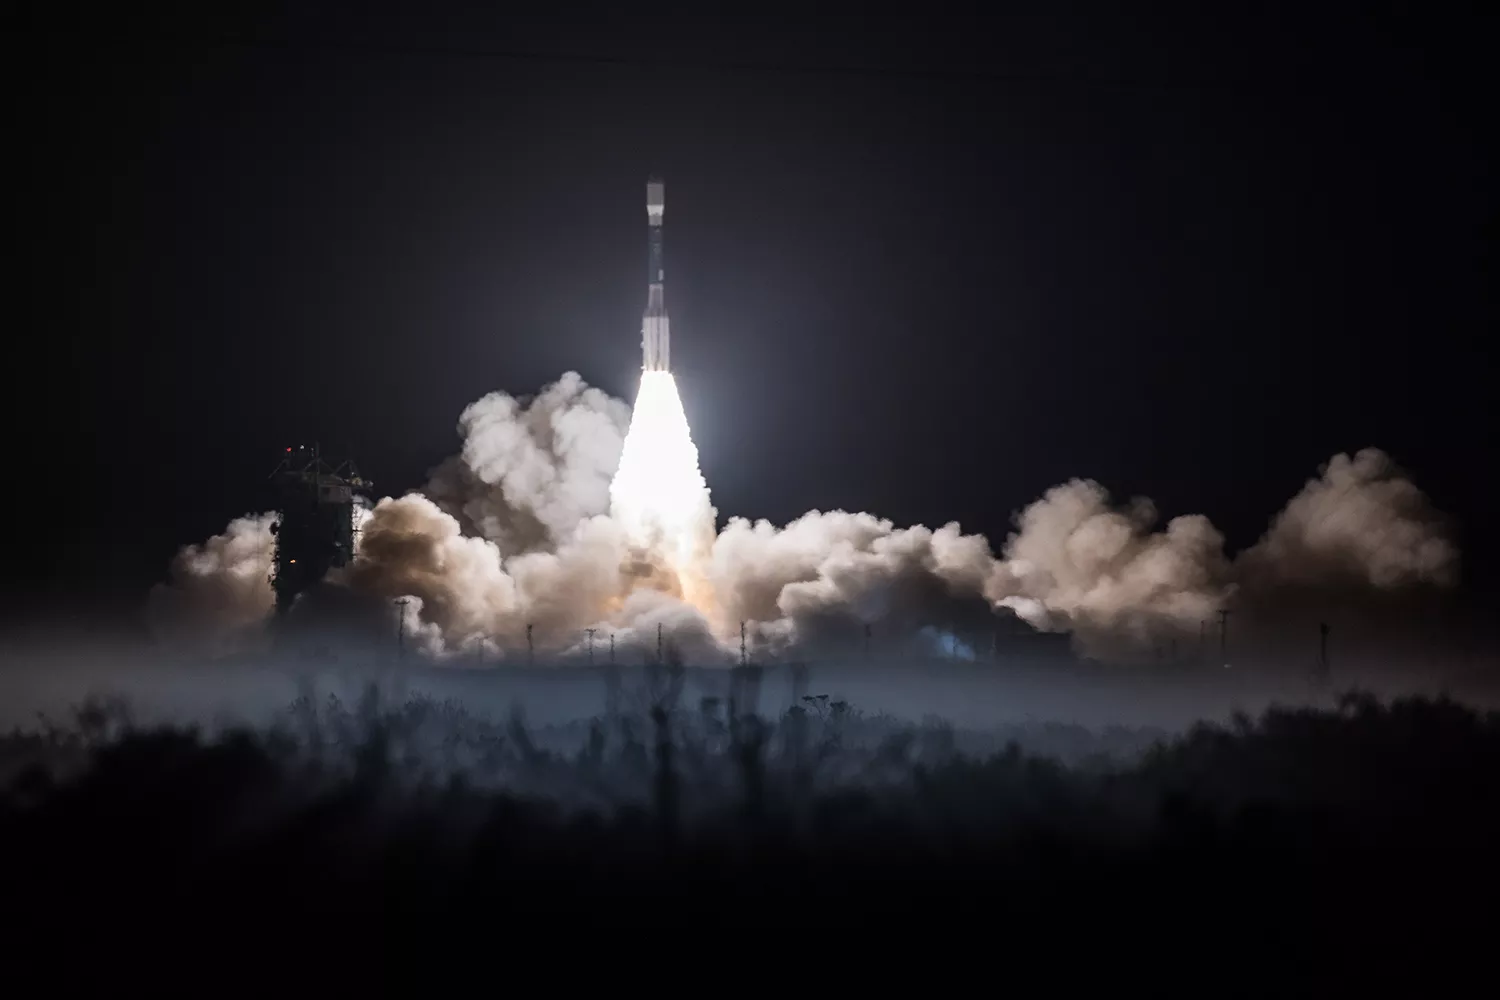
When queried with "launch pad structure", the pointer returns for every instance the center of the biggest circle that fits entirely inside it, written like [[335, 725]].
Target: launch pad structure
[[314, 526]]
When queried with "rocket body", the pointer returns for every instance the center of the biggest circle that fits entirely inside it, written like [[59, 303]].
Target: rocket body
[[656, 342]]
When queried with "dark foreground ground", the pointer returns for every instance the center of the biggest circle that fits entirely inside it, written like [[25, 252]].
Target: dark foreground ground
[[1362, 834]]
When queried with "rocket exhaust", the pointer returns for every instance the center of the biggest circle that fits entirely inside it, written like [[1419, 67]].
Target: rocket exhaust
[[656, 342]]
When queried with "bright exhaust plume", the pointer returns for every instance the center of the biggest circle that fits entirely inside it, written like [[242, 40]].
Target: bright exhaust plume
[[658, 495]]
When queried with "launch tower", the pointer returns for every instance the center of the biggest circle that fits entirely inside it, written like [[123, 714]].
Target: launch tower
[[656, 343], [314, 528]]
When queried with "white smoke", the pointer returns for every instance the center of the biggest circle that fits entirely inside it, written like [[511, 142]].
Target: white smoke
[[531, 470], [1361, 521], [220, 590], [826, 571], [1075, 563], [411, 548], [518, 529]]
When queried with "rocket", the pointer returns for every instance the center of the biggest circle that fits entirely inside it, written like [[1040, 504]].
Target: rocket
[[656, 344]]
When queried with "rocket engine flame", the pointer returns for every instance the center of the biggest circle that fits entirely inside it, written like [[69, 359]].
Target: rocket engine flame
[[658, 495]]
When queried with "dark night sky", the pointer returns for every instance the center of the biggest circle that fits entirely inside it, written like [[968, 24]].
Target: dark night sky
[[921, 269]]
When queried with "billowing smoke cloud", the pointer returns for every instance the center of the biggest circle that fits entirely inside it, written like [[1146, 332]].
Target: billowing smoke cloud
[[531, 470], [469, 595], [220, 590], [517, 530], [409, 547], [826, 574], [1361, 522], [1077, 564]]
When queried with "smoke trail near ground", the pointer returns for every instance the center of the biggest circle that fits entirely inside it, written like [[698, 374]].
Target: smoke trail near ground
[[826, 573], [1077, 564], [569, 510]]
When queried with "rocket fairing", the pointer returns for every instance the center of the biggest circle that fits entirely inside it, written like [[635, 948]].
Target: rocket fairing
[[656, 344]]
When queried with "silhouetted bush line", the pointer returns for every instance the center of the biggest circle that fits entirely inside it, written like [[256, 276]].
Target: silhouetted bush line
[[425, 808]]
